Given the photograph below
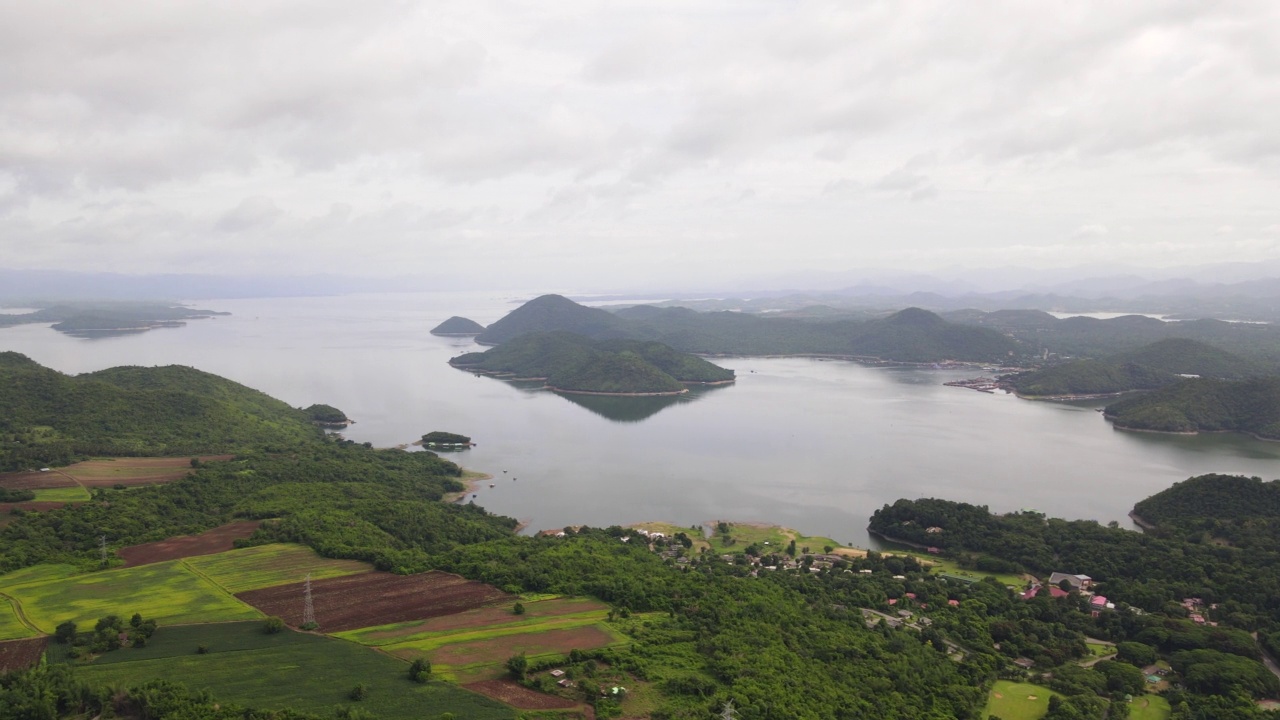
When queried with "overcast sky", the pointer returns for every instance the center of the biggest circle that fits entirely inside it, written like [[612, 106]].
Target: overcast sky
[[593, 144]]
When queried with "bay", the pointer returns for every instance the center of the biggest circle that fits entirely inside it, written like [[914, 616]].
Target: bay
[[815, 445]]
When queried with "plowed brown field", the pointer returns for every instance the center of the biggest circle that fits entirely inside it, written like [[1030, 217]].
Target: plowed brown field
[[519, 697], [134, 471], [375, 598], [35, 480], [209, 542], [21, 654], [497, 650]]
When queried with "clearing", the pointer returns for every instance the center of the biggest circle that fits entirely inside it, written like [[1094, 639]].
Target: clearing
[[1149, 707], [375, 598], [209, 542], [1017, 701], [107, 472], [310, 673], [167, 592], [264, 566], [773, 538], [21, 654]]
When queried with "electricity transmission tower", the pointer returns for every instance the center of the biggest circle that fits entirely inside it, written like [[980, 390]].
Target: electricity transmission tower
[[102, 548], [308, 608], [727, 712]]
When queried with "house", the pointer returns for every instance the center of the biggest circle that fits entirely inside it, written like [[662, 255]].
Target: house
[[932, 550], [1079, 582], [864, 572], [557, 673], [1097, 602], [1025, 663], [953, 603]]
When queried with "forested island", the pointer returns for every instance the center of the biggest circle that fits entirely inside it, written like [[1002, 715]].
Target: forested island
[[573, 363], [100, 319], [1154, 625], [458, 327]]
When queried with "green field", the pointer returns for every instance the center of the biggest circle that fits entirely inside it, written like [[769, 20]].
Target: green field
[[950, 567], [1100, 649], [552, 611], [11, 627], [38, 573], [269, 565], [166, 592], [1011, 701], [427, 641], [773, 538], [62, 494], [310, 673], [1149, 707]]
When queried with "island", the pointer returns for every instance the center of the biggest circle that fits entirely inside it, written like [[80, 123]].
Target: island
[[458, 327], [1204, 405], [570, 363], [327, 416], [441, 440], [107, 319]]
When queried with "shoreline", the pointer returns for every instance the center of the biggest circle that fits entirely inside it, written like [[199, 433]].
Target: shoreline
[[665, 393], [1137, 520], [470, 480], [1248, 433]]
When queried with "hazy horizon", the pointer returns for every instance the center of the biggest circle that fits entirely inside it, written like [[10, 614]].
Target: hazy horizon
[[589, 148]]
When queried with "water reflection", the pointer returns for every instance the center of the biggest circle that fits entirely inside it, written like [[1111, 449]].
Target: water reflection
[[636, 409]]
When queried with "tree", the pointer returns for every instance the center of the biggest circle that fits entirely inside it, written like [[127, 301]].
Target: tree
[[420, 670], [272, 625], [65, 633], [518, 665], [136, 620], [359, 692], [518, 609]]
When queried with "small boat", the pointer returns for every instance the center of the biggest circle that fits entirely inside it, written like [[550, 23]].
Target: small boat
[[490, 484]]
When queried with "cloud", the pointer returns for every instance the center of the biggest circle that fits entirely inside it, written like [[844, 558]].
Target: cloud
[[1094, 230], [252, 212]]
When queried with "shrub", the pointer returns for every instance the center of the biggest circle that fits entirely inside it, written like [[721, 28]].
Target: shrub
[[272, 625]]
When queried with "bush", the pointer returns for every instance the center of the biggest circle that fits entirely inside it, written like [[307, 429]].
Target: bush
[[518, 609], [202, 649], [420, 670], [359, 692], [273, 625]]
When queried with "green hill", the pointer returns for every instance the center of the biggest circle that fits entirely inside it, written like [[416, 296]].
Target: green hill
[[1229, 498], [1182, 356], [1090, 377], [574, 363], [554, 312], [1205, 405], [50, 418], [458, 326], [915, 335]]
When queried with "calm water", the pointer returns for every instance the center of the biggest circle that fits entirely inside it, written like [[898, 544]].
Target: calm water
[[810, 444]]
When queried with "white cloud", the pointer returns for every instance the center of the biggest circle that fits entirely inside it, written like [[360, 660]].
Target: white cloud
[[800, 133]]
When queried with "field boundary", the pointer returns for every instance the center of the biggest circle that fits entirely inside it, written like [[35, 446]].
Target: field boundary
[[216, 586], [22, 616]]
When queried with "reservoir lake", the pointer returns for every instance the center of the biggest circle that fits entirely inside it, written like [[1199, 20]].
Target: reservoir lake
[[810, 444]]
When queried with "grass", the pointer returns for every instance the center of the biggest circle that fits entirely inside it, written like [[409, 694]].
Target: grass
[[1009, 701], [950, 567], [1149, 707], [265, 566], [1100, 649], [168, 592], [428, 641], [772, 538], [11, 627], [547, 614], [62, 494], [309, 673], [37, 574]]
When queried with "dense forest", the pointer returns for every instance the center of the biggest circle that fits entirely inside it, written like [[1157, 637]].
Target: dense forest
[[48, 418], [571, 362], [1205, 405], [1147, 368]]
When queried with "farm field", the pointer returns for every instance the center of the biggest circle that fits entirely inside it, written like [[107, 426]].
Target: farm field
[[11, 626], [1017, 701], [519, 696], [265, 566], [21, 654], [35, 480], [536, 613], [213, 541], [169, 593], [74, 493], [375, 598], [1149, 707], [310, 673], [106, 472]]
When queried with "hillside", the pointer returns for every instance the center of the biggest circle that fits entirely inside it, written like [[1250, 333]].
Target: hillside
[[574, 363], [458, 326], [1183, 356], [1221, 498], [1089, 377], [52, 418], [915, 335], [554, 312], [1205, 405]]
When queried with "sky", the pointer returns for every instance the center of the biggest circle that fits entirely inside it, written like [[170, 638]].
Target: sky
[[618, 145]]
